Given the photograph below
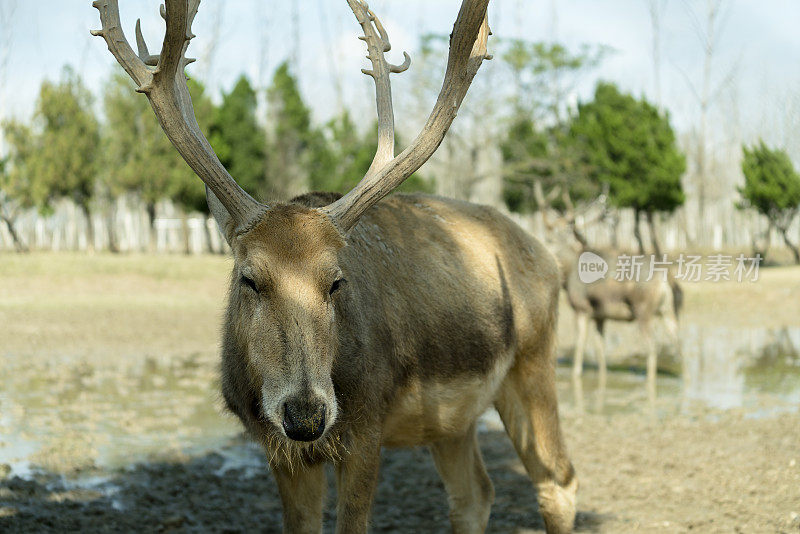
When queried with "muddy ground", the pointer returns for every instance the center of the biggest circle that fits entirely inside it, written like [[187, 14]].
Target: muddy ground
[[710, 473], [108, 366]]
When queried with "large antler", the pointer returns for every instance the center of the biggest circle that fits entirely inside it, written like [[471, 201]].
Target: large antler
[[467, 52], [166, 88], [377, 45]]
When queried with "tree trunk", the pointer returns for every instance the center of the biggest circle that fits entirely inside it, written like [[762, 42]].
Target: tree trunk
[[89, 228], [794, 248], [653, 236], [761, 249], [19, 244], [615, 230], [637, 230], [712, 12], [153, 238], [187, 248], [113, 242]]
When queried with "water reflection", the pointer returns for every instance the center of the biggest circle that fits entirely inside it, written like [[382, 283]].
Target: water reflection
[[730, 368], [80, 417], [756, 369]]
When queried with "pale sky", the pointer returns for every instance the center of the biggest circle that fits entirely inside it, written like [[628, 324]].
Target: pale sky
[[759, 49]]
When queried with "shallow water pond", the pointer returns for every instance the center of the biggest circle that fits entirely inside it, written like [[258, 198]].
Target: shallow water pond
[[70, 418], [75, 418]]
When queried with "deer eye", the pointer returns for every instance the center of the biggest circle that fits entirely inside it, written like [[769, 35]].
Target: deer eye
[[249, 283], [336, 285]]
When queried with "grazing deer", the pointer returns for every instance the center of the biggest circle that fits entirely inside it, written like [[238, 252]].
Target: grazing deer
[[355, 323], [609, 299]]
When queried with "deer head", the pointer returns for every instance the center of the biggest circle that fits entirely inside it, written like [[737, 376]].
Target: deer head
[[287, 278]]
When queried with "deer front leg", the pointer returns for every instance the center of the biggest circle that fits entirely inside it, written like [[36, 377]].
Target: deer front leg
[[652, 359], [356, 480], [302, 492], [469, 489]]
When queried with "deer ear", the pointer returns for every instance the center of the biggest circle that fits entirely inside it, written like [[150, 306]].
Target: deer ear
[[221, 215]]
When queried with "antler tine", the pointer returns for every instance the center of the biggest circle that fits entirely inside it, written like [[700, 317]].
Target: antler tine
[[179, 15], [467, 52], [543, 202], [377, 44], [117, 43], [569, 207], [551, 196], [144, 53], [165, 87], [387, 45]]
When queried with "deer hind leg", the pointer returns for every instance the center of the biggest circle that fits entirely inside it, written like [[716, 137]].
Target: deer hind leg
[[582, 320], [602, 367], [469, 489], [648, 335], [528, 406]]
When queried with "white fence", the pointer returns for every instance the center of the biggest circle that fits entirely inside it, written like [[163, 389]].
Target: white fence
[[126, 224]]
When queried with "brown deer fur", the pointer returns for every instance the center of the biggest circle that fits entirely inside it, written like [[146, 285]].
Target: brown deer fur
[[447, 308]]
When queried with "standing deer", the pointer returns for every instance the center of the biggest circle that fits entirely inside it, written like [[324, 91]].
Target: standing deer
[[639, 300], [355, 323]]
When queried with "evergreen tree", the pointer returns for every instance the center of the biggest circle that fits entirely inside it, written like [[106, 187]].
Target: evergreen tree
[[296, 154], [58, 154], [139, 156], [302, 157], [772, 187], [348, 155], [537, 146], [18, 190], [189, 192], [631, 147], [525, 158], [237, 138]]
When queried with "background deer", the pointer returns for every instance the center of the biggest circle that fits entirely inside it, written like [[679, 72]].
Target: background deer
[[354, 324], [608, 299]]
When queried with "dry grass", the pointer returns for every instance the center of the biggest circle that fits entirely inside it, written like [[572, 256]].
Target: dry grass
[[100, 305], [134, 305], [773, 300]]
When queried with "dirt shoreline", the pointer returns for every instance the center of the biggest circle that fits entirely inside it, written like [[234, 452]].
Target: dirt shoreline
[[712, 472]]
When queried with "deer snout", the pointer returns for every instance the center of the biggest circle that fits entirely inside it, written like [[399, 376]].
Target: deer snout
[[303, 420]]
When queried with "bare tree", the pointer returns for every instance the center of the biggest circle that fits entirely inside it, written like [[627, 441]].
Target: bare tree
[[7, 209], [334, 68], [7, 11], [296, 35], [709, 32], [656, 8], [208, 54]]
